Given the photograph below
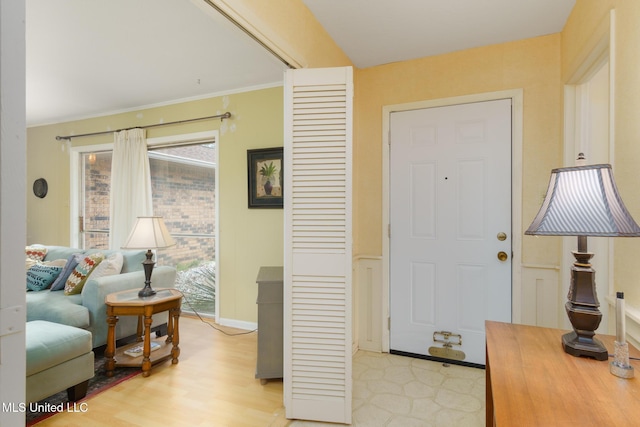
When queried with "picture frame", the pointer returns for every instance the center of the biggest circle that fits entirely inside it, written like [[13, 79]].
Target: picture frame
[[266, 178]]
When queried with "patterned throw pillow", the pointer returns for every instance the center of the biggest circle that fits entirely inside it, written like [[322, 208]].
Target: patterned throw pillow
[[79, 275], [109, 266], [40, 276], [34, 254], [71, 263]]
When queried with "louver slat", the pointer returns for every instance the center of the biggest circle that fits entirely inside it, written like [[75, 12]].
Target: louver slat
[[318, 244]]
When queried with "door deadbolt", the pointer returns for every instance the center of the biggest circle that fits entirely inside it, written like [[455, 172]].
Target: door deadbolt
[[502, 236], [502, 256]]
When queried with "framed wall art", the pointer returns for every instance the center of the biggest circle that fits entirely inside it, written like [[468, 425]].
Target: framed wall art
[[266, 178]]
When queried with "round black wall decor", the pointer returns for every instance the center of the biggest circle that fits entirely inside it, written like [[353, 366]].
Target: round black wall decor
[[40, 187]]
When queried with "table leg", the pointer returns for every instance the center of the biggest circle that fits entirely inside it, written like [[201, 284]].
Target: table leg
[[139, 329], [169, 328], [174, 314], [146, 361], [109, 352], [489, 416]]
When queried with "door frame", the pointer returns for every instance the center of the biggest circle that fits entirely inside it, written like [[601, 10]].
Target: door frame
[[576, 108], [516, 96]]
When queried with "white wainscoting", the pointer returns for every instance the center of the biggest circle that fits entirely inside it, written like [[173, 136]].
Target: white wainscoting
[[540, 304], [367, 303]]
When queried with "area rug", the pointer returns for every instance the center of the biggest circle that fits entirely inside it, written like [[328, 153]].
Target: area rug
[[99, 383]]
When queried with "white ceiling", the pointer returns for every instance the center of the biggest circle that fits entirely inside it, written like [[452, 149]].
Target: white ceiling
[[89, 58], [374, 32]]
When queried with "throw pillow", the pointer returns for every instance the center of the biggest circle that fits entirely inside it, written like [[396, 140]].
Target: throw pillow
[[55, 262], [71, 263], [34, 253], [30, 262], [79, 275], [109, 266], [37, 252], [41, 276]]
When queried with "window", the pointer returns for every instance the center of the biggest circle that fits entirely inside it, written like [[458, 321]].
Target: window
[[183, 181]]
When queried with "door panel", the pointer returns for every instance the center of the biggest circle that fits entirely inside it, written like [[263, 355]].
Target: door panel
[[450, 196], [318, 252]]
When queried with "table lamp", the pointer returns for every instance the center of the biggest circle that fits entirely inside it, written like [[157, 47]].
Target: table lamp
[[149, 232], [583, 201]]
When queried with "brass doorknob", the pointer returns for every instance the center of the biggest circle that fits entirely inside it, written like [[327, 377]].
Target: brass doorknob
[[502, 256]]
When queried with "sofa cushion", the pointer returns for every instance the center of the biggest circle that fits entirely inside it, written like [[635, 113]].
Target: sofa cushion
[[60, 252], [69, 266], [79, 275], [41, 276], [58, 308], [50, 344]]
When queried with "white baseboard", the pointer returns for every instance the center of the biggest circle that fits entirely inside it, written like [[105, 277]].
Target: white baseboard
[[239, 324]]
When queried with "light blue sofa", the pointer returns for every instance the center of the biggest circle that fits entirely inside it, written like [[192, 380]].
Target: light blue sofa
[[87, 310], [59, 357]]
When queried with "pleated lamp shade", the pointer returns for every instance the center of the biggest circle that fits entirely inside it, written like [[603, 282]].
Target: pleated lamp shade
[[583, 201], [149, 232]]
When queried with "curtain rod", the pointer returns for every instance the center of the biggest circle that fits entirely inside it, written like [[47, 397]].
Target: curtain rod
[[219, 116]]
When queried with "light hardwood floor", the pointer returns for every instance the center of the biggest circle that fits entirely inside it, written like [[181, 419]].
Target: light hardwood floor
[[212, 385]]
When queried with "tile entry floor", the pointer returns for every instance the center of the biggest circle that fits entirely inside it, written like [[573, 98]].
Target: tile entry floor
[[399, 391]]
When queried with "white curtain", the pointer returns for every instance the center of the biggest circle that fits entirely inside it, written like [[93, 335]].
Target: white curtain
[[130, 184]]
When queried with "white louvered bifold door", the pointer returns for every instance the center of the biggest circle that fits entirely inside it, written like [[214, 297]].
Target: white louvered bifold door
[[317, 267]]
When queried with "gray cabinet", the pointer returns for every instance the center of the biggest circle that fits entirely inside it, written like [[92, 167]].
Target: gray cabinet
[[270, 323]]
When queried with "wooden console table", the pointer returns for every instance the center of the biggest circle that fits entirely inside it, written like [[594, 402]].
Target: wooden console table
[[127, 303], [531, 381]]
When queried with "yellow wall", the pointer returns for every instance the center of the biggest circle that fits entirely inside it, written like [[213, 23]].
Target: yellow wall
[[288, 27], [588, 21], [540, 66], [532, 64], [249, 238]]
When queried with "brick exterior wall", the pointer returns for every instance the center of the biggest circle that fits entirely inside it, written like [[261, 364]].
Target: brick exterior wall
[[183, 194]]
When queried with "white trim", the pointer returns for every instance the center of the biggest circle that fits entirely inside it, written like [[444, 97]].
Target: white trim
[[182, 160], [234, 323], [74, 185], [186, 138], [612, 85], [160, 104], [541, 266], [516, 95], [216, 229], [576, 103], [245, 18]]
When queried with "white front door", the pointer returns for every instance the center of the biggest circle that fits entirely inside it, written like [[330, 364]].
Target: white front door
[[450, 215]]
